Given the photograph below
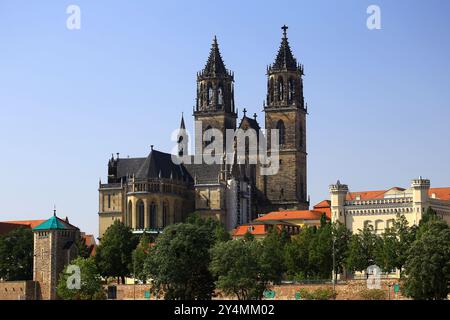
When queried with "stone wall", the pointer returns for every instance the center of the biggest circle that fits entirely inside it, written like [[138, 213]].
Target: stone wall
[[345, 291], [17, 290]]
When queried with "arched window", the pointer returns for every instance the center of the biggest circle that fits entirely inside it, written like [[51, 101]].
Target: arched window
[[280, 89], [153, 214], [209, 95], [271, 88], [165, 213], [129, 214], [281, 132], [140, 215], [291, 91], [219, 96]]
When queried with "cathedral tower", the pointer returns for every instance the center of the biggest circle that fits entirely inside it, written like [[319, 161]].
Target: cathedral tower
[[286, 111], [215, 94]]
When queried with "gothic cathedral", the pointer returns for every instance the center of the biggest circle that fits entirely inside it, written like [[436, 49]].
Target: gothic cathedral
[[151, 192]]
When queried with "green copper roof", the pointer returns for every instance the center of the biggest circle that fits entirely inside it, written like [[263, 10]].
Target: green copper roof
[[54, 223]]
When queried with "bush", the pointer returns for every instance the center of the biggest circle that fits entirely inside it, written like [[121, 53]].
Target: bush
[[318, 294], [372, 294]]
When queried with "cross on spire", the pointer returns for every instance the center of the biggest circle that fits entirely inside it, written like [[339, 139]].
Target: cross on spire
[[285, 27], [245, 111]]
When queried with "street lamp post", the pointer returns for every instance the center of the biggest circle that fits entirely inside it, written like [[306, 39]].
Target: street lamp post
[[334, 268]]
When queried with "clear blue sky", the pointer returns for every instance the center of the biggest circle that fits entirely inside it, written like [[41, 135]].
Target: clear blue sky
[[378, 100]]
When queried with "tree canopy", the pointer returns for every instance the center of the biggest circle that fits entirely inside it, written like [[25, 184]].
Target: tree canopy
[[90, 282], [114, 254], [16, 255], [428, 265], [178, 263]]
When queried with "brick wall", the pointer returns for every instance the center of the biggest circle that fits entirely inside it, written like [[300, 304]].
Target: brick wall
[[17, 290]]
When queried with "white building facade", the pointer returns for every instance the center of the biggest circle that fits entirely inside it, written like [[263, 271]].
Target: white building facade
[[379, 208]]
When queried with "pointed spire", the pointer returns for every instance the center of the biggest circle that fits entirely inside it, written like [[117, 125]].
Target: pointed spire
[[215, 65], [285, 59], [182, 125]]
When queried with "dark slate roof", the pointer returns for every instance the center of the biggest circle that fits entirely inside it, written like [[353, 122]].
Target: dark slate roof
[[285, 60], [252, 123], [160, 165], [128, 166], [214, 65], [204, 173]]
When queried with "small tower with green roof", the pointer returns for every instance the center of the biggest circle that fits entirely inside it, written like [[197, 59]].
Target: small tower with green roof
[[54, 248]]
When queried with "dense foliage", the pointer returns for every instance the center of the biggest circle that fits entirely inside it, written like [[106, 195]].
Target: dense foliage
[[114, 254], [90, 285], [16, 255]]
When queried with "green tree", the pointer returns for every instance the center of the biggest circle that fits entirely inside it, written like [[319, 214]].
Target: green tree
[[83, 250], [16, 255], [363, 249], [320, 252], [178, 263], [342, 236], [91, 287], [427, 268], [271, 257], [218, 230], [237, 267], [114, 254], [297, 258], [396, 241], [140, 256]]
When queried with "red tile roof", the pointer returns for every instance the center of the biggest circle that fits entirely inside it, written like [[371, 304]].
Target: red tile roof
[[292, 215], [324, 206], [8, 226], [257, 229], [441, 193]]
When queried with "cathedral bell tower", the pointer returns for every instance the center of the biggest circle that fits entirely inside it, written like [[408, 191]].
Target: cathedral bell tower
[[286, 111], [215, 95]]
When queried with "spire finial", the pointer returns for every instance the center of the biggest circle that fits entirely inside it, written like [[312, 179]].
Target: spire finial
[[255, 116], [54, 210], [244, 111], [285, 27], [151, 147]]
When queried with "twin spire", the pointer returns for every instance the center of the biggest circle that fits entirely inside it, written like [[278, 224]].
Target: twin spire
[[214, 65], [285, 59]]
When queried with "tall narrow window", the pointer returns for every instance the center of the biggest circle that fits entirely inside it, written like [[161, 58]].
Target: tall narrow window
[[209, 94], [109, 201], [300, 136], [153, 213], [291, 90], [271, 88], [281, 132], [165, 213], [140, 215], [280, 89], [129, 214], [219, 97]]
